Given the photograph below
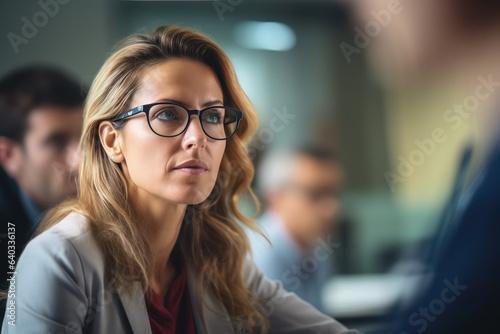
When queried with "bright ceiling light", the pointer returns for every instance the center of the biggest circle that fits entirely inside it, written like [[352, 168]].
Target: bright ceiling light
[[273, 36]]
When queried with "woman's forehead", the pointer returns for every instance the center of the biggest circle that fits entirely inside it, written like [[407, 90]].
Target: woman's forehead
[[182, 80]]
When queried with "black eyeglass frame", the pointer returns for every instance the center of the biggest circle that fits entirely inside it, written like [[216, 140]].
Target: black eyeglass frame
[[146, 107]]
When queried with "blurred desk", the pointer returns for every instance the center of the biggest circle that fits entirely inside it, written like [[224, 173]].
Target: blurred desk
[[365, 296]]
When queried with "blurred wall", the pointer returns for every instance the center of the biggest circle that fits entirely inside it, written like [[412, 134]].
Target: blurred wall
[[72, 34], [328, 100]]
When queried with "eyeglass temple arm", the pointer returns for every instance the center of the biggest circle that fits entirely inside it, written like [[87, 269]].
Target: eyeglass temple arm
[[129, 113]]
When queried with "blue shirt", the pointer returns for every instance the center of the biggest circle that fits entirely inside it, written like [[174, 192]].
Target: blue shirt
[[301, 271]]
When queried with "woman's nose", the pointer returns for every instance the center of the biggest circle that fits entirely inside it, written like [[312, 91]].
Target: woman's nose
[[194, 135]]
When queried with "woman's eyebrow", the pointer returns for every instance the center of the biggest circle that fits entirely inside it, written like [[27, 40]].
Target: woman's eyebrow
[[206, 104], [211, 103]]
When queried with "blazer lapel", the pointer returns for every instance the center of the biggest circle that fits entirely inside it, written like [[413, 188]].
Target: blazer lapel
[[207, 321], [135, 309]]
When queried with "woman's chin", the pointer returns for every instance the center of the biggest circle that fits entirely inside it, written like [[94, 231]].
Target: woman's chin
[[189, 199], [196, 201]]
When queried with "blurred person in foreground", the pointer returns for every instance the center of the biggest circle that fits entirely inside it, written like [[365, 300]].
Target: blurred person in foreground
[[40, 126], [300, 189], [452, 39], [153, 242]]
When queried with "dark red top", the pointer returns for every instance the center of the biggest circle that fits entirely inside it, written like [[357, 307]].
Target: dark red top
[[174, 315]]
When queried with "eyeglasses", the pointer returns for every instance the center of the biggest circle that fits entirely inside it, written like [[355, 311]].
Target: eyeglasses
[[171, 119]]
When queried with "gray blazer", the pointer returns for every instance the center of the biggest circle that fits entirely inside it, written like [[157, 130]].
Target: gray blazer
[[60, 288]]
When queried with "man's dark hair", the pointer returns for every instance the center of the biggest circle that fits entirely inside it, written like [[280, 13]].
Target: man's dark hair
[[28, 88], [477, 14]]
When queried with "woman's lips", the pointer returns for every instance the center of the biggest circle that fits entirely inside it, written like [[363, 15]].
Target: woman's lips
[[191, 170], [192, 167]]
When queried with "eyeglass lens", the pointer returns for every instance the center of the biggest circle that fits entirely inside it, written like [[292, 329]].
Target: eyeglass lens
[[171, 120]]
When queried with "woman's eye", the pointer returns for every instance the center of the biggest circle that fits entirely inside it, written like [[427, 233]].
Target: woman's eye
[[214, 118], [167, 115]]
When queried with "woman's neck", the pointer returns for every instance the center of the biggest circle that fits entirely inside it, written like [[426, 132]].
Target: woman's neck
[[162, 221]]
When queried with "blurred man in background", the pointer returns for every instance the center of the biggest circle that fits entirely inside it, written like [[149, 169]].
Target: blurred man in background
[[300, 190], [41, 120], [458, 41]]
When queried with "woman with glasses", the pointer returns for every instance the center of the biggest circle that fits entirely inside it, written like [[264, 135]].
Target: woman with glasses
[[154, 243]]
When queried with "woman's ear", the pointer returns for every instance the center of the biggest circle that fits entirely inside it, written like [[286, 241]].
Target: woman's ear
[[109, 137]]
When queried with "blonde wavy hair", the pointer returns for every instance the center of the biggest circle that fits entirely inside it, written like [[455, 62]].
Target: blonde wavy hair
[[216, 241]]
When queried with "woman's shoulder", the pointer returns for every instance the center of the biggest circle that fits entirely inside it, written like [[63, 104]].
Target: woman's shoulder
[[71, 228], [73, 225], [68, 240]]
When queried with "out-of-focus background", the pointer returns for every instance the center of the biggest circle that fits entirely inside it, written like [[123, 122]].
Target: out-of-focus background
[[298, 62]]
